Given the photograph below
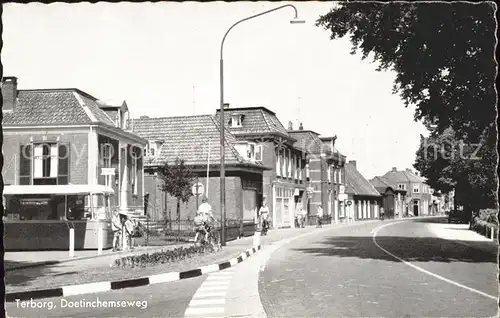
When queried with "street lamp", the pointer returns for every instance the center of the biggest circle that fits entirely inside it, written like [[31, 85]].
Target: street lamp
[[222, 150]]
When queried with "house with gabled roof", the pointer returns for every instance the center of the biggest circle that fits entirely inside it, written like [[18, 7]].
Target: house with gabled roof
[[196, 140], [363, 199], [393, 198], [284, 186], [418, 198], [324, 169], [57, 140]]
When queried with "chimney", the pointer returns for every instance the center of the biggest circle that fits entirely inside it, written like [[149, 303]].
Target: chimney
[[144, 117], [353, 162], [9, 92], [408, 170], [394, 169], [226, 105], [301, 127], [290, 125]]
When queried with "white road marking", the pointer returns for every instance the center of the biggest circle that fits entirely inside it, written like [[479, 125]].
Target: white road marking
[[216, 283], [204, 310], [212, 288], [207, 301], [210, 297], [426, 271], [209, 294]]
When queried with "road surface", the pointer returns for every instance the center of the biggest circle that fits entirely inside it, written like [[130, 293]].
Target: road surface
[[389, 268]]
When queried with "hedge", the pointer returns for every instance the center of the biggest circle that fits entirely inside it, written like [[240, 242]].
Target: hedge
[[162, 257]]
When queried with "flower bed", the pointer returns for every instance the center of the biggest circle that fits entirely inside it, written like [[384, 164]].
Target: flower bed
[[162, 257]]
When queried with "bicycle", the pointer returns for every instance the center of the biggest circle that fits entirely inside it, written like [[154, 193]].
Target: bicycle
[[212, 239]]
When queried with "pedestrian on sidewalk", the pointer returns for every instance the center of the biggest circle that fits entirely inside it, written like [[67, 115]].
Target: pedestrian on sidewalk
[[116, 226], [319, 216], [129, 230]]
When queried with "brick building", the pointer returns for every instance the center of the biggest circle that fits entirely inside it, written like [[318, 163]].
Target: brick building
[[56, 141], [324, 171], [363, 199], [393, 198], [285, 184], [196, 140], [418, 197]]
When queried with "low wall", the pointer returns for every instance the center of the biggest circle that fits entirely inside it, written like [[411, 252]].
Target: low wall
[[54, 235]]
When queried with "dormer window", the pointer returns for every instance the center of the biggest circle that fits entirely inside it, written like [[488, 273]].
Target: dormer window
[[236, 120], [153, 148]]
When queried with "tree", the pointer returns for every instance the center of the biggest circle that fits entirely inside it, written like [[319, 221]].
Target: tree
[[177, 180], [443, 57], [442, 53], [448, 164]]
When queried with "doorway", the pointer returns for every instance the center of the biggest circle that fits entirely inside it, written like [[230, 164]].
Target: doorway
[[415, 207]]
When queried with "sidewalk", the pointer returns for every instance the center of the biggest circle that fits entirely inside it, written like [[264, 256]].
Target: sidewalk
[[98, 269], [28, 259]]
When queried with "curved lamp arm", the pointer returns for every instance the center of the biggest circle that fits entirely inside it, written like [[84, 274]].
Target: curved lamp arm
[[254, 16]]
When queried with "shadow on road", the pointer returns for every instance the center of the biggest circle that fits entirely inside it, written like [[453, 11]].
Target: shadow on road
[[412, 249]]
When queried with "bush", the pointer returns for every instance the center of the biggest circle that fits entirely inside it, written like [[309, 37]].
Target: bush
[[489, 215], [162, 257]]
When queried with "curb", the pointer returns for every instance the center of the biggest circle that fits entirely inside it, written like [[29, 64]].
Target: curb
[[97, 287]]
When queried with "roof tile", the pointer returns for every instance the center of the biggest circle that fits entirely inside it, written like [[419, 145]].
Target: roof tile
[[357, 184], [191, 138]]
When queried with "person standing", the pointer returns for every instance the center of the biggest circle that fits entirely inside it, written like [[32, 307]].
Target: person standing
[[116, 226], [319, 215], [129, 230]]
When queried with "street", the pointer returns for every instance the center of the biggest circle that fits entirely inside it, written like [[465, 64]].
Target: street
[[332, 272]]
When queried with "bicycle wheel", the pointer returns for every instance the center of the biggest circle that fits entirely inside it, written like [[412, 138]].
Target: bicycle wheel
[[215, 239]]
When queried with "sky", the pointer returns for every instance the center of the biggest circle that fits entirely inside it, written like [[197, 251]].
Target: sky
[[163, 59]]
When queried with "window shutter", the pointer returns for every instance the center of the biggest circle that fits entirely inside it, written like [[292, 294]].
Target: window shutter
[[63, 164], [25, 155]]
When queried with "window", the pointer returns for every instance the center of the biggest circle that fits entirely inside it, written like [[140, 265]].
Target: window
[[416, 188], [329, 171], [45, 161], [278, 163], [340, 175], [258, 153], [251, 152], [283, 167], [236, 120], [25, 165], [135, 156], [296, 165], [289, 163], [152, 152], [307, 170], [300, 169], [402, 186]]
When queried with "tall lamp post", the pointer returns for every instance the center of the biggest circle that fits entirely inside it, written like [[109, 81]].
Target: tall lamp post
[[222, 145]]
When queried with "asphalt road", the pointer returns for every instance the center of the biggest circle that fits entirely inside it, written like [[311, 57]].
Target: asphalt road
[[159, 300], [345, 274], [337, 272]]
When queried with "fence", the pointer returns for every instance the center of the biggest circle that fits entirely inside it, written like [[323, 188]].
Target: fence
[[168, 232]]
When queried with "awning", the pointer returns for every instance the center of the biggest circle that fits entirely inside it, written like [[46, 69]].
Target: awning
[[56, 189]]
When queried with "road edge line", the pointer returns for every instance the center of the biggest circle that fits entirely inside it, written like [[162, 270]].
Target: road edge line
[[424, 270]]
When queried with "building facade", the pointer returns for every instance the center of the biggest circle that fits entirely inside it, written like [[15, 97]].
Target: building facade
[[393, 199], [56, 143], [324, 171], [363, 199], [196, 140], [284, 185], [418, 197]]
